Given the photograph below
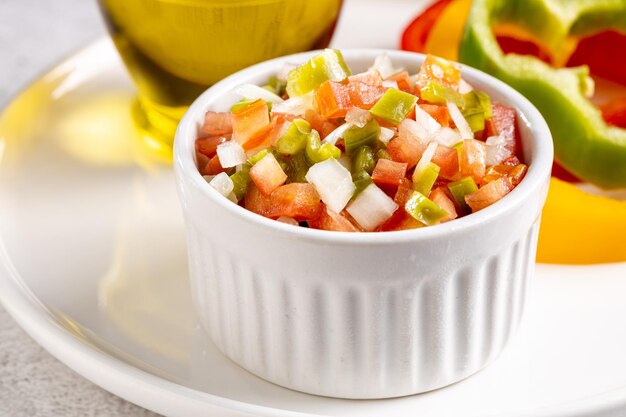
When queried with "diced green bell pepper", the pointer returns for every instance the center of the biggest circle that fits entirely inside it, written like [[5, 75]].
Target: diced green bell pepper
[[459, 189], [436, 93], [361, 180], [394, 106], [297, 168], [424, 180], [355, 136], [383, 154], [476, 109], [424, 210], [329, 65], [295, 138], [316, 152], [258, 156], [363, 160], [583, 143], [241, 180], [244, 103]]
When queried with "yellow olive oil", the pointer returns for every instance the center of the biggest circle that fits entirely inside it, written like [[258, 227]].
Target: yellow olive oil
[[175, 49]]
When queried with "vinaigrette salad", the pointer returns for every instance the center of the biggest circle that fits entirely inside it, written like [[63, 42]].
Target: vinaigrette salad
[[382, 150]]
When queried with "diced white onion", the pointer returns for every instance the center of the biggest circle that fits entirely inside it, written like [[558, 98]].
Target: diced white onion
[[390, 84], [459, 121], [465, 87], [295, 105], [358, 117], [371, 208], [254, 92], [386, 135], [410, 128], [427, 156], [231, 154], [346, 161], [283, 72], [426, 120], [333, 183], [384, 66], [232, 197], [446, 137], [337, 134], [223, 184], [287, 220], [496, 150]]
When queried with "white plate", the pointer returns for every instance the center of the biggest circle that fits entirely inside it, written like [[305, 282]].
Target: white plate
[[94, 268]]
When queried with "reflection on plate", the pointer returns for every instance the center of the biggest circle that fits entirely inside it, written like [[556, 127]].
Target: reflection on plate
[[94, 268]]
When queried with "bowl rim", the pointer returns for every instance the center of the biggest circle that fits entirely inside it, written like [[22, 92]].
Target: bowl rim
[[539, 167]]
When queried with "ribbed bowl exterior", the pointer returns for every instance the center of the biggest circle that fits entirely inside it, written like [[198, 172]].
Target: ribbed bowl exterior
[[359, 321], [361, 315]]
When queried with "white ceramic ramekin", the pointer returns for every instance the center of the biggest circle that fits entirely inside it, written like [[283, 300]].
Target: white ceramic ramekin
[[361, 315]]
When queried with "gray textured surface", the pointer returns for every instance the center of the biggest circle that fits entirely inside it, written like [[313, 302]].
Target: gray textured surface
[[35, 34]]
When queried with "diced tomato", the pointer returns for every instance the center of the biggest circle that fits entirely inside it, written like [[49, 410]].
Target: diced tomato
[[490, 129], [371, 77], [364, 95], [448, 160], [439, 70], [439, 113], [214, 166], [217, 123], [333, 99], [256, 202], [405, 190], [337, 222], [269, 136], [202, 161], [512, 161], [406, 147], [505, 124], [208, 146], [267, 174], [319, 123], [514, 173], [250, 122], [439, 197], [400, 220], [297, 200], [403, 80], [279, 118], [388, 174], [517, 174], [472, 159], [489, 194]]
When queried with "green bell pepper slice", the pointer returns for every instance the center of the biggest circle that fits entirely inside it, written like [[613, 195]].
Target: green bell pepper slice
[[584, 144]]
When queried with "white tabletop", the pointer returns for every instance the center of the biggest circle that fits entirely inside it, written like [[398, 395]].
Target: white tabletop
[[34, 34]]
